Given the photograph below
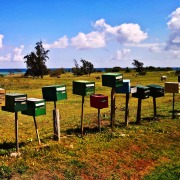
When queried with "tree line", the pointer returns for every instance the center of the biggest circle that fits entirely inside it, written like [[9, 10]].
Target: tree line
[[36, 65]]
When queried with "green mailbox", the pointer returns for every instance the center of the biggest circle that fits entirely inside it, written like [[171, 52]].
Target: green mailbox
[[54, 92], [35, 107], [15, 102], [83, 88], [112, 79], [156, 90], [142, 92]]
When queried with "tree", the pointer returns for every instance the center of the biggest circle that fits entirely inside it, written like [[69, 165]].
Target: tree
[[35, 61], [87, 67], [138, 65]]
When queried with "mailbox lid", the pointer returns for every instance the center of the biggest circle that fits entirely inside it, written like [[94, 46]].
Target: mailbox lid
[[15, 102], [35, 107], [54, 92], [125, 88], [142, 92], [172, 87], [156, 90], [112, 79], [99, 101], [2, 97], [83, 88]]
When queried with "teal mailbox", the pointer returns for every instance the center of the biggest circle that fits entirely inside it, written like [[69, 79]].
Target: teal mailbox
[[35, 107], [125, 88]]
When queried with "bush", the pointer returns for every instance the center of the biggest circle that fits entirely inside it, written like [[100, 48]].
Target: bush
[[142, 73]]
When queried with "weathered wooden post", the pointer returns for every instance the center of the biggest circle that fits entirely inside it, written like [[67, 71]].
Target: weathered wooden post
[[125, 89], [141, 93], [15, 102], [83, 88], [156, 91], [112, 80], [55, 93]]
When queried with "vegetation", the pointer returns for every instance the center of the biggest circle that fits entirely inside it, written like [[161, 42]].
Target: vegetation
[[35, 61], [147, 151], [86, 69]]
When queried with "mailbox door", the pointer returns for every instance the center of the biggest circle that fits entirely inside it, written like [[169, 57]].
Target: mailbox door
[[125, 88], [142, 92], [61, 93], [90, 89]]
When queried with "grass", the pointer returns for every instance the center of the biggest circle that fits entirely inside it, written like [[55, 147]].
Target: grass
[[147, 151]]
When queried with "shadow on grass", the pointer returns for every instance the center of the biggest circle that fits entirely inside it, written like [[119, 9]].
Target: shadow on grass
[[6, 148]]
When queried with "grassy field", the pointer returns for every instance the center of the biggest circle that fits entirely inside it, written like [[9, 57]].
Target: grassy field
[[147, 151]]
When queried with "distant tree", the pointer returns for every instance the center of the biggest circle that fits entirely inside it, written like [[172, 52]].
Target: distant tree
[[138, 65], [76, 70], [87, 67], [35, 61], [127, 70]]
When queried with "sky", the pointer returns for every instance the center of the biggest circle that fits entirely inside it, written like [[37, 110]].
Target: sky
[[107, 33]]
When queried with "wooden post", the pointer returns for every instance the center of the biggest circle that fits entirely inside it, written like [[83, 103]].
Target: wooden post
[[127, 109], [173, 112], [16, 132], [154, 104], [56, 123], [138, 121], [113, 108], [99, 122], [37, 133], [82, 112]]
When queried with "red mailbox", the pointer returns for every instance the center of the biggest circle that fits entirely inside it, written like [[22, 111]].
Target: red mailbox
[[99, 101]]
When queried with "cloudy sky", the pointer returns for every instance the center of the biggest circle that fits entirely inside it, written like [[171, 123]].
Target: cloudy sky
[[107, 33]]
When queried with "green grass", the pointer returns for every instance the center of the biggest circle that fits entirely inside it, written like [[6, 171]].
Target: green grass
[[147, 151]]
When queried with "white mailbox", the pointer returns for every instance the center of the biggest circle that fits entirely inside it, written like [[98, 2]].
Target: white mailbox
[[172, 87]]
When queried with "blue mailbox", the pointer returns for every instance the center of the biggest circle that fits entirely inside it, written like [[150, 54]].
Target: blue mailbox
[[125, 88]]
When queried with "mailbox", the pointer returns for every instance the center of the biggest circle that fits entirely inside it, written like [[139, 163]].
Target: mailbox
[[15, 102], [172, 87], [99, 101], [35, 107], [112, 79], [125, 88], [54, 92], [83, 88], [179, 78], [2, 97], [156, 90], [142, 92]]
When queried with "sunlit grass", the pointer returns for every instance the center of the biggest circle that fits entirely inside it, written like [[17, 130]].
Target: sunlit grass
[[133, 152]]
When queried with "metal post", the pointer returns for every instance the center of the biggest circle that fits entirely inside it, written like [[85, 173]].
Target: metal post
[[138, 121], [113, 108], [99, 123], [37, 133], [154, 104], [127, 109], [16, 131], [82, 112]]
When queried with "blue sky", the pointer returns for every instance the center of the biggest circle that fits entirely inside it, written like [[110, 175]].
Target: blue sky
[[107, 33]]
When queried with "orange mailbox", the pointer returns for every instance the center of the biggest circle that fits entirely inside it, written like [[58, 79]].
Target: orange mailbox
[[99, 101]]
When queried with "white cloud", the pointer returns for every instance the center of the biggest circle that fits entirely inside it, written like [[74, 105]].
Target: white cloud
[[123, 33], [60, 43], [121, 54], [1, 38], [174, 26], [91, 40], [5, 58], [176, 54], [18, 56]]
